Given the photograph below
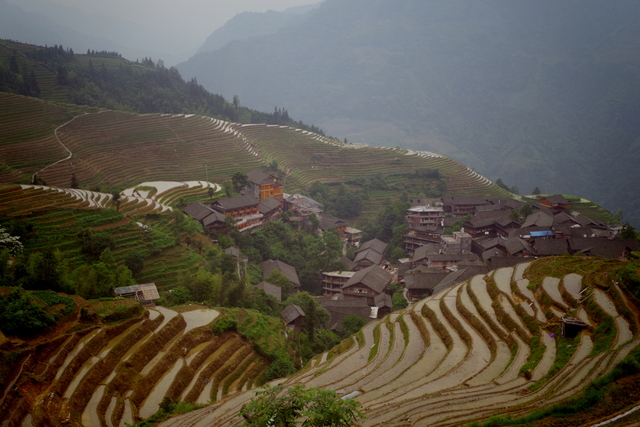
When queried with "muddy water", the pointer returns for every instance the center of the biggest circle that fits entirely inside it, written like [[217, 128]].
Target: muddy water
[[518, 274], [605, 302], [78, 377], [548, 357], [90, 414], [573, 284], [508, 308], [73, 353], [151, 404], [479, 288], [503, 279], [27, 422], [550, 286], [197, 318]]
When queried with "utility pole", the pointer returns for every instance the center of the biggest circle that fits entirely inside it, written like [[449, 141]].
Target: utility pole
[[206, 172]]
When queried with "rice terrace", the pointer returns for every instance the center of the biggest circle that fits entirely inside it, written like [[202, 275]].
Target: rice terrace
[[547, 342]]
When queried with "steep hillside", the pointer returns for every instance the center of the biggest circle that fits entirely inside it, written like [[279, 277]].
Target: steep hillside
[[108, 149], [488, 347], [540, 94], [110, 362]]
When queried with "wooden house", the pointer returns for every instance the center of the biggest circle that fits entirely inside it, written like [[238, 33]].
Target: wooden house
[[367, 283], [289, 271], [263, 185], [244, 210], [293, 317]]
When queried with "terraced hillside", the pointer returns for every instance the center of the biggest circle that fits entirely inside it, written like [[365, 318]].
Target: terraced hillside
[[138, 224], [489, 346], [111, 149], [111, 375]]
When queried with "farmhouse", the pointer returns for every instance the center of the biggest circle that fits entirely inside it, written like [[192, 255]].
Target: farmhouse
[[293, 317], [332, 281], [367, 283], [243, 209], [145, 293], [272, 290], [286, 269], [211, 219], [263, 185]]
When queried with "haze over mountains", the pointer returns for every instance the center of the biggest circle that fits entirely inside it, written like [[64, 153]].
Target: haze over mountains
[[538, 93]]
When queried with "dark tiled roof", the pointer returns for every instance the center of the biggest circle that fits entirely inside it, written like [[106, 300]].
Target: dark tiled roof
[[557, 199], [327, 223], [538, 219], [291, 313], [375, 244], [493, 252], [289, 271], [421, 281], [235, 202], [374, 277], [258, 177], [423, 251], [499, 262], [268, 205], [465, 200], [516, 245], [382, 300], [205, 214], [233, 251], [368, 255], [269, 289], [452, 257], [346, 261], [547, 247], [339, 309]]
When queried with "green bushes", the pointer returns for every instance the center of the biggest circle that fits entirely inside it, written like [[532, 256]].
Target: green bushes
[[225, 324], [20, 315]]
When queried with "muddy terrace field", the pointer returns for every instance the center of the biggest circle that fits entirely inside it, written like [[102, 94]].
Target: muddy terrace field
[[487, 347]]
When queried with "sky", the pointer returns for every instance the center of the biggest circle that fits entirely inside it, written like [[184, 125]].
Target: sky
[[194, 18]]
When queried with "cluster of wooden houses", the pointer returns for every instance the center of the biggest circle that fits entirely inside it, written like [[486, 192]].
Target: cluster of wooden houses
[[492, 233]]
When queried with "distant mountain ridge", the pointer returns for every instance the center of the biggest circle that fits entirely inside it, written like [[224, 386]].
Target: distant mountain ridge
[[532, 92], [253, 24]]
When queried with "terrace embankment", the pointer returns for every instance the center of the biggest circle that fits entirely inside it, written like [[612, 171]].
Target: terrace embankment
[[95, 375], [474, 351]]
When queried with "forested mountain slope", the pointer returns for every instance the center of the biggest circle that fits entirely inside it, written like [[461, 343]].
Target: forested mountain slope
[[539, 93]]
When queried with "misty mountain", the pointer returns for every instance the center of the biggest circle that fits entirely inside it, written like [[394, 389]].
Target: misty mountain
[[540, 93], [253, 24], [41, 22]]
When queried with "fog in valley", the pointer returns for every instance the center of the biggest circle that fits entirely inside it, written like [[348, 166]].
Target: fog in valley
[[539, 93]]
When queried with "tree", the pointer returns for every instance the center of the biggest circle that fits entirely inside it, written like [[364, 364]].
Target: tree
[[314, 407], [135, 262], [277, 278], [210, 192], [239, 180], [398, 301], [115, 196], [536, 191], [74, 180], [236, 101]]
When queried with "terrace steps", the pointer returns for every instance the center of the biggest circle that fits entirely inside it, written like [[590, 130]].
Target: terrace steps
[[108, 376], [466, 366]]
